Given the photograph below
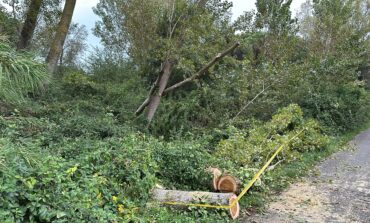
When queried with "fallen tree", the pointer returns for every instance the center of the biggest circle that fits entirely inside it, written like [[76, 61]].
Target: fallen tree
[[182, 198], [160, 88]]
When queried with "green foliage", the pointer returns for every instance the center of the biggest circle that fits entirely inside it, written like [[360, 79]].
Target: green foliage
[[339, 109], [20, 75], [102, 183], [8, 26], [78, 154], [78, 83], [182, 31], [183, 164], [275, 16], [254, 146]]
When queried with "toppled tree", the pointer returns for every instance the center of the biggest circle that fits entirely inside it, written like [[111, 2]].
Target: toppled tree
[[170, 40], [159, 87]]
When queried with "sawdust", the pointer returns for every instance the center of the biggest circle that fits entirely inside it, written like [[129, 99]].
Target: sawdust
[[302, 200]]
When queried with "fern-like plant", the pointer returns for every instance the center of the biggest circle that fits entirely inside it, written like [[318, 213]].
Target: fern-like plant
[[20, 74]]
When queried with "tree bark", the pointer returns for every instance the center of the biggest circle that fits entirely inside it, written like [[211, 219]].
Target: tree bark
[[155, 97], [146, 102], [197, 75], [60, 36], [196, 197], [29, 24]]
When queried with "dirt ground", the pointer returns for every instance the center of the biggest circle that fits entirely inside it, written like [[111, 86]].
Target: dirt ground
[[339, 194]]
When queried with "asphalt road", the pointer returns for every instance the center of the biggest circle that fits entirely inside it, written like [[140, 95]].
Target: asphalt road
[[340, 193]]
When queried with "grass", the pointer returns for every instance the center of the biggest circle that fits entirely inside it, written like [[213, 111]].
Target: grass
[[20, 74]]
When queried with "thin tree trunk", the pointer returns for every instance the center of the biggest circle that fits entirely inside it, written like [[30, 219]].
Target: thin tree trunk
[[60, 36], [155, 97], [29, 24]]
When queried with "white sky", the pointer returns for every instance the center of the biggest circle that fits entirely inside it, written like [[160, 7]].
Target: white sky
[[84, 15]]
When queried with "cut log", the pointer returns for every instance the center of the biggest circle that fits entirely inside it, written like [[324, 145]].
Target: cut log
[[228, 184], [234, 210], [197, 197], [216, 176]]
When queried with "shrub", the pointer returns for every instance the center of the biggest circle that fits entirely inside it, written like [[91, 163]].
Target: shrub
[[340, 109], [183, 164], [103, 182], [76, 83]]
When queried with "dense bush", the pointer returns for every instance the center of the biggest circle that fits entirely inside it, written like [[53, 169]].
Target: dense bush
[[340, 109], [76, 83], [49, 174], [183, 164], [8, 26], [80, 181]]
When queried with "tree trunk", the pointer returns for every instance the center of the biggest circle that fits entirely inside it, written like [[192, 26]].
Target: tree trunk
[[228, 184], [29, 24], [196, 197], [60, 36], [155, 98]]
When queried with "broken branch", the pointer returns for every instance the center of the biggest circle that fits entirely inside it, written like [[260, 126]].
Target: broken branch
[[203, 70]]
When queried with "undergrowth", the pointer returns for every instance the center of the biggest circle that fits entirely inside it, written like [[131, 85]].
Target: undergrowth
[[74, 162]]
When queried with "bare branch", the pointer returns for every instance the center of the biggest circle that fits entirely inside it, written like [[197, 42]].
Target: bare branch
[[251, 101]]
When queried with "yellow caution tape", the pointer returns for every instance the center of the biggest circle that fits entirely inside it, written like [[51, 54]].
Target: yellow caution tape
[[249, 185]]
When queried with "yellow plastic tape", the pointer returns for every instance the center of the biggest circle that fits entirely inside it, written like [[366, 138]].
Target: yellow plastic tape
[[249, 185]]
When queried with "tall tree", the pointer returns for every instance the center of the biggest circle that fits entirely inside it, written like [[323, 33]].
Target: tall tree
[[74, 46], [60, 36], [29, 24], [274, 16], [169, 39], [47, 24]]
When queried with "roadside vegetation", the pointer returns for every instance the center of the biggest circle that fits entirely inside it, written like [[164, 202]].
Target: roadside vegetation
[[74, 147]]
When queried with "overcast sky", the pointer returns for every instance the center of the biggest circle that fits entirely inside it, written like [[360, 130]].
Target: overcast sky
[[83, 13]]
